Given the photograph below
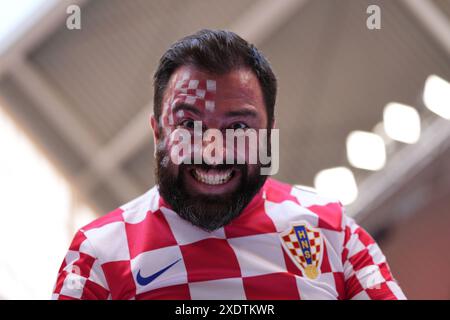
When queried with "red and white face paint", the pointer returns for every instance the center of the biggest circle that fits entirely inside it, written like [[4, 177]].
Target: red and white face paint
[[195, 96], [196, 92]]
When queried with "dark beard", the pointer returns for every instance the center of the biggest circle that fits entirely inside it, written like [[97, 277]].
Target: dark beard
[[209, 212]]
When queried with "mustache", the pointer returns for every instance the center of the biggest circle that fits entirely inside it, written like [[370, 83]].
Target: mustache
[[205, 166]]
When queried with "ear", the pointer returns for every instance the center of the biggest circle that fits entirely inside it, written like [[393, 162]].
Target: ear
[[156, 133]]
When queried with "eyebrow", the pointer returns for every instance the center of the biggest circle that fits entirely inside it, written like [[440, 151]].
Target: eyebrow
[[186, 107], [235, 113], [242, 113]]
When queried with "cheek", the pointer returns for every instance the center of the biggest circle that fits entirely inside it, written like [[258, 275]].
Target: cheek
[[179, 146], [248, 151]]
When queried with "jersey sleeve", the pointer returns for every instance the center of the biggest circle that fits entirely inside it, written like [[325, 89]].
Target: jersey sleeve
[[366, 272], [80, 276]]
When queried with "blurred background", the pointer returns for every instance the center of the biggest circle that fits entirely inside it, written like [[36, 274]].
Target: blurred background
[[363, 115]]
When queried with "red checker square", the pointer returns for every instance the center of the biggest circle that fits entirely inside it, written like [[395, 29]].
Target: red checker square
[[340, 284], [93, 291], [60, 281], [63, 297], [278, 192], [152, 233], [344, 254], [200, 103], [361, 259], [364, 237], [63, 265], [325, 266], [120, 279], [290, 266], [210, 259], [77, 241], [353, 287], [210, 95], [330, 215], [381, 292], [385, 272], [251, 223], [178, 292], [83, 265], [275, 286]]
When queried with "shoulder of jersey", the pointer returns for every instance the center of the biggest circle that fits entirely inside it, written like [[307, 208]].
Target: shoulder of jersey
[[329, 211], [133, 211]]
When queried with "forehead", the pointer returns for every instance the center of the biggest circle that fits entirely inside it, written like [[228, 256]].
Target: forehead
[[238, 85]]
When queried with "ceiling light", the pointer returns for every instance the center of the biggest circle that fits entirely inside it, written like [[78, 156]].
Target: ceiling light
[[436, 96], [366, 150], [338, 183], [401, 122]]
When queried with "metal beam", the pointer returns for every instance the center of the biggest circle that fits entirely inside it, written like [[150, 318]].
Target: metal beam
[[405, 164], [54, 107], [42, 25], [125, 143], [266, 16], [432, 19]]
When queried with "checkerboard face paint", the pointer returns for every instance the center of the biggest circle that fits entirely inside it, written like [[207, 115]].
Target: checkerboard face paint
[[185, 91], [195, 92]]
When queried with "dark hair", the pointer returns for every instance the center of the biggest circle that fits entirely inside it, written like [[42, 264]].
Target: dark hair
[[218, 52]]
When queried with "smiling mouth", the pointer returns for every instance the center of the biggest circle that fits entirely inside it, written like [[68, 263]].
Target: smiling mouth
[[212, 176]]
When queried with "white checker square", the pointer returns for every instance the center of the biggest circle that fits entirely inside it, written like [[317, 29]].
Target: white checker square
[[86, 248], [259, 254], [333, 240], [200, 93], [110, 242], [317, 289], [73, 286], [308, 198], [154, 261], [348, 270], [210, 85], [72, 256], [185, 232], [96, 275], [354, 245], [283, 214], [223, 289], [361, 296], [193, 84], [190, 99], [370, 277], [376, 253], [179, 84], [136, 210], [209, 105]]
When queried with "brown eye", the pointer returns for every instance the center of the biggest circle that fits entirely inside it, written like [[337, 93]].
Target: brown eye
[[239, 125], [188, 124]]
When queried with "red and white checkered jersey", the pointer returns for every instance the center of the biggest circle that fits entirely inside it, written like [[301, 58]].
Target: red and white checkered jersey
[[288, 243]]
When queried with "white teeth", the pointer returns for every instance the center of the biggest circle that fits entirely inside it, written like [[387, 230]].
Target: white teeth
[[212, 178]]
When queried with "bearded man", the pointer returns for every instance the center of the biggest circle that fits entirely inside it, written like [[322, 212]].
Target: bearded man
[[215, 226]]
